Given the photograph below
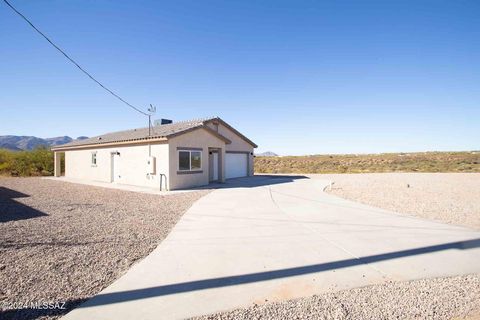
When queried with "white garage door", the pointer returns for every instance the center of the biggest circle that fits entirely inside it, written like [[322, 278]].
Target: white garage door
[[235, 165]]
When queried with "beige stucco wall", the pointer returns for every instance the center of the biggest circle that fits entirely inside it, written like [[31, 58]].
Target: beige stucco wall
[[132, 164], [199, 138], [238, 144], [133, 160]]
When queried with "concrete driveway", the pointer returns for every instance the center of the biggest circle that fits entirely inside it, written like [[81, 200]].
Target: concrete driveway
[[272, 238]]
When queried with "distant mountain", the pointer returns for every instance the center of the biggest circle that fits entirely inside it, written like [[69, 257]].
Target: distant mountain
[[18, 143], [267, 154], [58, 140]]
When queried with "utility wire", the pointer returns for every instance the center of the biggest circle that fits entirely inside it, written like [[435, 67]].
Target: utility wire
[[73, 61]]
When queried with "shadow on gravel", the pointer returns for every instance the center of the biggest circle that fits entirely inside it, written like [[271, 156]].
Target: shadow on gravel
[[117, 297], [11, 210]]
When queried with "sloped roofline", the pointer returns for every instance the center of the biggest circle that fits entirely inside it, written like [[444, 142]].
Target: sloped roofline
[[139, 140], [209, 130], [198, 124], [232, 129]]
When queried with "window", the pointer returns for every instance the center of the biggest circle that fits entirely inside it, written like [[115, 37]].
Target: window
[[184, 160], [189, 160], [196, 160], [94, 159]]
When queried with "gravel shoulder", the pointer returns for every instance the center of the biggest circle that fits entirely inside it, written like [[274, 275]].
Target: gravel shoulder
[[66, 242], [443, 298], [447, 197]]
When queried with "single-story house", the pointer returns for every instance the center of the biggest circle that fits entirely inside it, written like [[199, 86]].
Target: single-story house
[[167, 156]]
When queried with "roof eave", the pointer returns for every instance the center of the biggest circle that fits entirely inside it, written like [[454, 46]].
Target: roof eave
[[208, 129], [234, 130], [108, 144]]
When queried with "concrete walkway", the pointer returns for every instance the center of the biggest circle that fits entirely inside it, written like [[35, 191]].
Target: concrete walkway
[[117, 186], [266, 239]]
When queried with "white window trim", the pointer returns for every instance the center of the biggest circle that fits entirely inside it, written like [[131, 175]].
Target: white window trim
[[190, 160], [94, 153]]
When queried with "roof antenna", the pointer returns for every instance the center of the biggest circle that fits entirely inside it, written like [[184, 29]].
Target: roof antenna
[[151, 111]]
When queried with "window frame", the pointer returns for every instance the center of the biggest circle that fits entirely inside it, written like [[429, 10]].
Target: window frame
[[189, 160], [93, 159]]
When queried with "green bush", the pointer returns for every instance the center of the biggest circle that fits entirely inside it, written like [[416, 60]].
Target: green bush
[[38, 162]]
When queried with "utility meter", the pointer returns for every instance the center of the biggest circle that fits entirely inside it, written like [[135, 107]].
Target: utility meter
[[151, 165]]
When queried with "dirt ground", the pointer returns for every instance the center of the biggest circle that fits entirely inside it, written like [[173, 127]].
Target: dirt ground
[[63, 242], [447, 197]]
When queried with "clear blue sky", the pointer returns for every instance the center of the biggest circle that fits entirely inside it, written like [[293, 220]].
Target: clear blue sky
[[297, 77]]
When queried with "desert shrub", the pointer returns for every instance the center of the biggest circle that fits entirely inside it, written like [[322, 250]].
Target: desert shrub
[[38, 162], [386, 162], [6, 159]]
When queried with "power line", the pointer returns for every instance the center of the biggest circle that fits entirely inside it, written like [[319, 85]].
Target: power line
[[73, 61]]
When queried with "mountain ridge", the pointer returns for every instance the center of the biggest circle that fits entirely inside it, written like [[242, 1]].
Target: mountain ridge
[[22, 143], [267, 154]]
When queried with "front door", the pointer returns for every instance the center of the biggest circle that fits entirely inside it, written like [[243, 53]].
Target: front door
[[213, 165], [115, 167]]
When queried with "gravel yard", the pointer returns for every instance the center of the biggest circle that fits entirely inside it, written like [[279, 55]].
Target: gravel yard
[[447, 298], [448, 197], [66, 242]]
